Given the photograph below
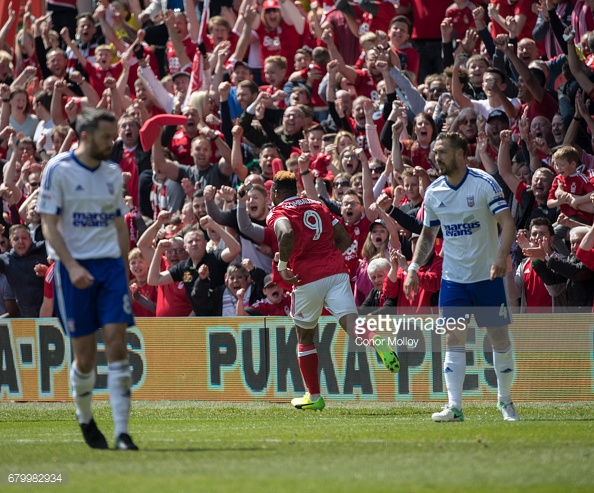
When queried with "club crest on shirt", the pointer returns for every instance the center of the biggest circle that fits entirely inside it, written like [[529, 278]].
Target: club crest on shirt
[[470, 200], [187, 276], [110, 187]]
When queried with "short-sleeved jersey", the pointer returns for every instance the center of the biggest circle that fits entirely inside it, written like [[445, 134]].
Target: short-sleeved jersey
[[462, 18], [575, 184], [88, 202], [366, 85], [173, 59], [265, 308], [314, 255], [284, 40], [97, 75], [466, 216]]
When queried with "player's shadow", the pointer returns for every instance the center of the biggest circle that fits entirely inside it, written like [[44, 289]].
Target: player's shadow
[[557, 419], [205, 449]]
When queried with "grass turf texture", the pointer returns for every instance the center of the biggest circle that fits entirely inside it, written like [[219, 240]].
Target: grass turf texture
[[214, 447]]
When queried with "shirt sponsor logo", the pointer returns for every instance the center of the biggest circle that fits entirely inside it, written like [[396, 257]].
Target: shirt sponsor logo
[[93, 219], [462, 229], [271, 43]]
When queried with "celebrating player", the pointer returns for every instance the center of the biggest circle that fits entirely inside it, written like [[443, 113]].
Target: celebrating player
[[468, 204], [311, 244], [83, 222]]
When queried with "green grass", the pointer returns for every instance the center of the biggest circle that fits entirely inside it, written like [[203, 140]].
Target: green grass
[[213, 447]]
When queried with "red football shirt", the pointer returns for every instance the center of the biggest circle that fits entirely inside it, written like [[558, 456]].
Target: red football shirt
[[358, 233], [149, 292], [462, 18], [267, 309], [284, 40], [48, 282], [536, 291], [181, 146], [97, 75], [428, 17], [128, 164], [173, 59], [576, 184], [314, 255]]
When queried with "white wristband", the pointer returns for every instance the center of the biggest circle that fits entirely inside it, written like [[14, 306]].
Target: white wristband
[[282, 265], [413, 266]]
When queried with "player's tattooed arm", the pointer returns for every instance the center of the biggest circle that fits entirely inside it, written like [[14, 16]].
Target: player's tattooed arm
[[286, 238], [341, 237], [425, 244]]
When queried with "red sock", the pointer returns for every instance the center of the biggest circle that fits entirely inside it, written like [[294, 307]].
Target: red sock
[[308, 364]]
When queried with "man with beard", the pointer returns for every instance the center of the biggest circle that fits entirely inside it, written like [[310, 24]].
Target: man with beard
[[468, 205], [83, 222]]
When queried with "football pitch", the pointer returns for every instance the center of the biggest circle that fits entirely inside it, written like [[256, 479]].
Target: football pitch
[[216, 447]]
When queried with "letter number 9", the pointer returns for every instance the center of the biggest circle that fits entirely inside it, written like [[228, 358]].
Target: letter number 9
[[313, 221]]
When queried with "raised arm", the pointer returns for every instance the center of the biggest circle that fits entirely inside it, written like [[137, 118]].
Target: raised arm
[[178, 45], [108, 31], [65, 34], [146, 242], [233, 248], [577, 67], [523, 71], [193, 23], [237, 164], [160, 163], [253, 231], [504, 164], [155, 276], [348, 72], [368, 197], [307, 177], [460, 98], [292, 15]]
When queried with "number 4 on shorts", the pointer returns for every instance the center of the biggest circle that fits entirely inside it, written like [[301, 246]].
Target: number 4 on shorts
[[503, 310]]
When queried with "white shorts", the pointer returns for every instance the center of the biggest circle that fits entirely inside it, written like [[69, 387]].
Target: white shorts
[[332, 292]]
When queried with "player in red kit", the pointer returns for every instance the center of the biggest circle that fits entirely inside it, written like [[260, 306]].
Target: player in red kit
[[311, 243]]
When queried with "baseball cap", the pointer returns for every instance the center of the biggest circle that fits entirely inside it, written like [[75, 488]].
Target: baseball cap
[[239, 63], [181, 72], [270, 4], [498, 114], [268, 281], [376, 222]]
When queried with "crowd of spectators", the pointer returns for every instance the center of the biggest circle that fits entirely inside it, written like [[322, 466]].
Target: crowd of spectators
[[349, 95]]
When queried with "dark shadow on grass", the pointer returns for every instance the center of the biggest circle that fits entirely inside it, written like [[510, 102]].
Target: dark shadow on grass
[[559, 419], [206, 450]]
